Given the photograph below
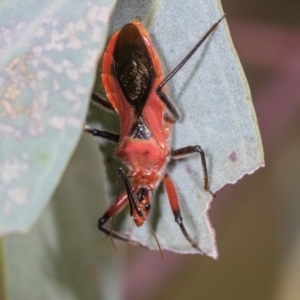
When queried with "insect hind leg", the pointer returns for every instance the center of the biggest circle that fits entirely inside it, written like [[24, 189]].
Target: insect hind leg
[[163, 97], [173, 199], [185, 151]]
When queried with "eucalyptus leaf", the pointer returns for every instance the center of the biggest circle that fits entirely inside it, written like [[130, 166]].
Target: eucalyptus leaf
[[48, 56], [64, 256], [213, 97]]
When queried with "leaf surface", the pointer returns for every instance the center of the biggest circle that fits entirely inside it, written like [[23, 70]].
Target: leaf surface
[[48, 57]]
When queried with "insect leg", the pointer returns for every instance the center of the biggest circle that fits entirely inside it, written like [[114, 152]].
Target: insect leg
[[113, 209], [169, 104], [183, 152], [134, 205], [173, 199], [163, 97], [103, 134], [125, 198], [99, 101]]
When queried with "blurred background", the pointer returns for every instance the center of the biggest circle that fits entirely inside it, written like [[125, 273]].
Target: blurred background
[[256, 220]]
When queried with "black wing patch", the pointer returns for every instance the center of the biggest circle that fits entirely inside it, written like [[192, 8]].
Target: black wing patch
[[133, 67]]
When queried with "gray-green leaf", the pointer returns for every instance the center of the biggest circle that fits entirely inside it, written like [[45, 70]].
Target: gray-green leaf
[[48, 57]]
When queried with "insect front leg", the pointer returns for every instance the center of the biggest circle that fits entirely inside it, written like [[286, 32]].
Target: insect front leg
[[111, 211], [183, 152], [173, 199]]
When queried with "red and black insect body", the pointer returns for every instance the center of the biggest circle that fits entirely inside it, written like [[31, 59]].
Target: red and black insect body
[[134, 85]]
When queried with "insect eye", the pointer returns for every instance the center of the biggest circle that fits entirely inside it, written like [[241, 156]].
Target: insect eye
[[147, 206]]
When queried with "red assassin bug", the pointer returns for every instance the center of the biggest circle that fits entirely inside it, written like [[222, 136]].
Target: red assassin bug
[[134, 84]]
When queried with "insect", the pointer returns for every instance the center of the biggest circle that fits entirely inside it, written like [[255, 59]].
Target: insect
[[135, 87]]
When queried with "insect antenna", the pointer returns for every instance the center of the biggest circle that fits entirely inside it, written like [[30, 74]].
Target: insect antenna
[[155, 237], [212, 28], [111, 231], [134, 204]]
